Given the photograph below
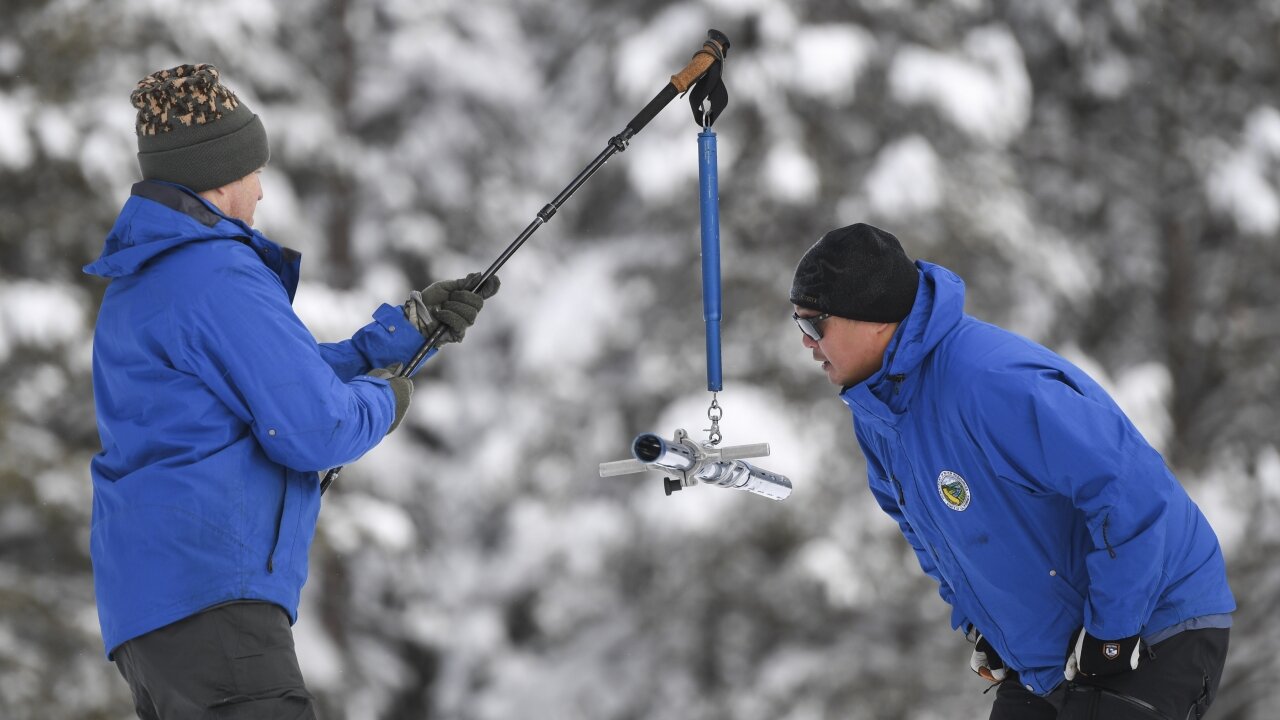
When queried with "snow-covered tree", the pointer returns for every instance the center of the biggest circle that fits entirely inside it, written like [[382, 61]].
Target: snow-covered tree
[[1106, 177]]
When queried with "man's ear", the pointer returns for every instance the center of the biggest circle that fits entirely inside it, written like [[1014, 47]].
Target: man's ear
[[217, 196], [886, 329]]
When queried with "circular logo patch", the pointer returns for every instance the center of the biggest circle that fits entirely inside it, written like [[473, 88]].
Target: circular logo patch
[[953, 490]]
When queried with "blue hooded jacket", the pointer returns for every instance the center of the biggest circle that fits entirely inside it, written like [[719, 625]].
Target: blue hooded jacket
[[1026, 492], [216, 408]]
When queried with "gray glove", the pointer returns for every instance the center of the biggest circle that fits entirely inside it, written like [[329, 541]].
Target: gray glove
[[450, 302], [401, 386]]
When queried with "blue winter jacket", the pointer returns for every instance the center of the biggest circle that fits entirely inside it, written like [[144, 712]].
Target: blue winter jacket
[[216, 408], [1025, 491]]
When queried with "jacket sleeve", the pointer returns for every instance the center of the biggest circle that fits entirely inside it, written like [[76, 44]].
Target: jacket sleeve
[[388, 340], [1053, 430], [886, 493], [239, 334]]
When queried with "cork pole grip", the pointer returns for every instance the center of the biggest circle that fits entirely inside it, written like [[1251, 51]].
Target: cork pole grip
[[711, 49]]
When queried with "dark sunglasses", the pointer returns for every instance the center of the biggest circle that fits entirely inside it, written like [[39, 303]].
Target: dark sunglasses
[[811, 325]]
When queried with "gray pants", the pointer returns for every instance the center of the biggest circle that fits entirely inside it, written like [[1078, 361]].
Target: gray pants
[[230, 661]]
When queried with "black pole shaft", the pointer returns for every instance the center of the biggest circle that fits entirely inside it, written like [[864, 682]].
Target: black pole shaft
[[617, 144], [544, 215]]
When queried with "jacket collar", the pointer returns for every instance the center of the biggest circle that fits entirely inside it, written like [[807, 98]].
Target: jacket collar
[[938, 308], [179, 199], [160, 216]]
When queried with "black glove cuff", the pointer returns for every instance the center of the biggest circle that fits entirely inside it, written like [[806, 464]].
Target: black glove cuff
[[1107, 657]]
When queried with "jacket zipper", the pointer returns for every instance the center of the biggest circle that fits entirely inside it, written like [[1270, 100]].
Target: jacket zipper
[[895, 378], [897, 382], [1110, 550], [937, 533]]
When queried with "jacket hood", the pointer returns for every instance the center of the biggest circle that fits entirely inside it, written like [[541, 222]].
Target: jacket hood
[[938, 308], [158, 217]]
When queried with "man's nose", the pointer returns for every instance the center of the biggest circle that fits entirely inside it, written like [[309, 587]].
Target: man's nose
[[808, 341]]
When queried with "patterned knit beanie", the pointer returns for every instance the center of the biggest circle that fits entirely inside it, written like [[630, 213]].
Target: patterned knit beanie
[[193, 131], [858, 272]]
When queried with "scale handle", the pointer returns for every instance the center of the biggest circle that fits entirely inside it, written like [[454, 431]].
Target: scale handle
[[740, 452], [622, 467]]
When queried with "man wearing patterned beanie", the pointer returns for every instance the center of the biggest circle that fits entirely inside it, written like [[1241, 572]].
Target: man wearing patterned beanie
[[1091, 584], [217, 408]]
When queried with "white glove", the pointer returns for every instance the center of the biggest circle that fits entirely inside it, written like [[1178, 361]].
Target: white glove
[[985, 661]]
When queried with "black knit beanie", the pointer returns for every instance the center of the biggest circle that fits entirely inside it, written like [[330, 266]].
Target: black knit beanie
[[858, 272], [193, 131]]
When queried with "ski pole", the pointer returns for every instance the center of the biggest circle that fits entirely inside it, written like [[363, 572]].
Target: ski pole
[[714, 48]]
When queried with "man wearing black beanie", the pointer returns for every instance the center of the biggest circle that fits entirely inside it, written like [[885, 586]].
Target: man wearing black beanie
[[1090, 583], [857, 278], [217, 408]]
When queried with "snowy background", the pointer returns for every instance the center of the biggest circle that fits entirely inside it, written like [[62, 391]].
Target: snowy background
[[1106, 177]]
